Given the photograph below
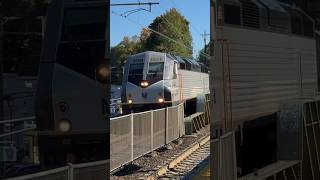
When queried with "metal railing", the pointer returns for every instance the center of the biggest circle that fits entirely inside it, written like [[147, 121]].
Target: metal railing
[[87, 171], [224, 152], [136, 134], [131, 136], [17, 120]]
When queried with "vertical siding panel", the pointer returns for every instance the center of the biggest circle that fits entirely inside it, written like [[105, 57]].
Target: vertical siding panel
[[265, 73]]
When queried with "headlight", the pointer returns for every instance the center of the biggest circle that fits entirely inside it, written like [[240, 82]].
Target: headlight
[[130, 101], [64, 126], [144, 84], [160, 100]]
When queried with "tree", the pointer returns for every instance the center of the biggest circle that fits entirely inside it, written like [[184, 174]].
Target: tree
[[144, 35], [120, 53], [175, 26], [171, 24]]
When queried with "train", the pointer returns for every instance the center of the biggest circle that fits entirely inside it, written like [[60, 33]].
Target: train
[[72, 93], [154, 80], [270, 50], [266, 56]]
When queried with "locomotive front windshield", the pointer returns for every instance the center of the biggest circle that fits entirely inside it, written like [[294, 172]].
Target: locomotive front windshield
[[155, 68], [136, 69], [155, 72], [135, 73]]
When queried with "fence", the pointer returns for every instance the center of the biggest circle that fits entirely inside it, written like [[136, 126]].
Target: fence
[[86, 171], [224, 166], [27, 122], [131, 136], [137, 134]]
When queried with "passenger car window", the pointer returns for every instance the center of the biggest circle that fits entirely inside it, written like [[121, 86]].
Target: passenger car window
[[135, 73]]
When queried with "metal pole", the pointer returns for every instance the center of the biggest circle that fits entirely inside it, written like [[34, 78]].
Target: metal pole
[[151, 126], [134, 4], [70, 171], [166, 125], [18, 119], [132, 134], [205, 40], [15, 132], [179, 123]]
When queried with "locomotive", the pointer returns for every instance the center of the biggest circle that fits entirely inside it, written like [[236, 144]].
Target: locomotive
[[153, 80]]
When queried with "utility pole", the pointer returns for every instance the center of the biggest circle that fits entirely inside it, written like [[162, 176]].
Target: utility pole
[[204, 35]]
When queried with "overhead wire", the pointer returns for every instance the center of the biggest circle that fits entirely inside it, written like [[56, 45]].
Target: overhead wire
[[171, 24], [192, 26], [177, 30], [160, 34], [175, 5]]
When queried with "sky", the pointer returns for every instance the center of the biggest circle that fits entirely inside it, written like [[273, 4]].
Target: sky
[[197, 12]]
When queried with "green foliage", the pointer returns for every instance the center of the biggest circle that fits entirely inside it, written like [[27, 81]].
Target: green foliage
[[171, 24], [119, 55], [123, 50], [175, 26]]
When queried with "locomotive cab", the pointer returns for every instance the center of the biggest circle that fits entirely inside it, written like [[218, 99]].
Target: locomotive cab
[[147, 82]]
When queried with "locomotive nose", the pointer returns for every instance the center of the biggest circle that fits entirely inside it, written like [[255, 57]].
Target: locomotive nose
[[144, 94]]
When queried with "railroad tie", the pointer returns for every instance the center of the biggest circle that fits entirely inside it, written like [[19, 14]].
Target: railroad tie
[[189, 163]]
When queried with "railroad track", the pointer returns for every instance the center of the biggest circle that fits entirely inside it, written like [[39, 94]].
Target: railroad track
[[182, 169]]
